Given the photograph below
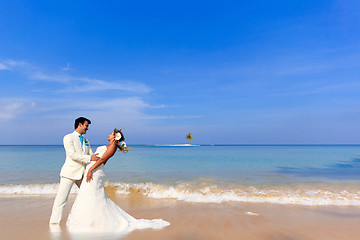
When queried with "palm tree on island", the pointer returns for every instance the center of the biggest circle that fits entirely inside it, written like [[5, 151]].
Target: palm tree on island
[[189, 137]]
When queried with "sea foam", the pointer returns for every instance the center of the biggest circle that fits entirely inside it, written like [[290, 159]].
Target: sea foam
[[31, 189], [216, 194], [205, 193]]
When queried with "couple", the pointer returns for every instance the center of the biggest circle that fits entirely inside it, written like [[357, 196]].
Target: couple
[[92, 210]]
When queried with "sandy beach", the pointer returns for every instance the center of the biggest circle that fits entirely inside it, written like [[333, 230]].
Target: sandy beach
[[26, 217]]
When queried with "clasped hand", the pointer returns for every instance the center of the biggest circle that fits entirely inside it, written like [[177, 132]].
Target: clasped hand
[[94, 157]]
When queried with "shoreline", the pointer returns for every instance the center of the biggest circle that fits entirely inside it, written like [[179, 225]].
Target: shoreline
[[190, 220], [212, 192]]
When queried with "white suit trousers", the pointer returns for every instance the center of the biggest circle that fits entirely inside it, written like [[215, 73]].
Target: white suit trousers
[[61, 198]]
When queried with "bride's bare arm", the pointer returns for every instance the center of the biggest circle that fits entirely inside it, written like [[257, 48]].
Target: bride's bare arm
[[110, 151]]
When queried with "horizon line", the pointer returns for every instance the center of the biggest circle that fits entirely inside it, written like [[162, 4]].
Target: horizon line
[[216, 144]]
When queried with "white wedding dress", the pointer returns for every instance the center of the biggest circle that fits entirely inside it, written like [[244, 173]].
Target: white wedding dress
[[93, 210]]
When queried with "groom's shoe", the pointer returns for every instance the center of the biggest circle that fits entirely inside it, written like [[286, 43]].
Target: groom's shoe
[[55, 228]]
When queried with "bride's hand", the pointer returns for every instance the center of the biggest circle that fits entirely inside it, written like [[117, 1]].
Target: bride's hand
[[89, 176]]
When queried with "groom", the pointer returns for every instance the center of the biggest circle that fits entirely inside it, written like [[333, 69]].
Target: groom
[[78, 155]]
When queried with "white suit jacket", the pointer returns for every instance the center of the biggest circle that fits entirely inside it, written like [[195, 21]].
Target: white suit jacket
[[77, 156]]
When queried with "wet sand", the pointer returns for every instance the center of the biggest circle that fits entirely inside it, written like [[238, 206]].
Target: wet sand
[[26, 217]]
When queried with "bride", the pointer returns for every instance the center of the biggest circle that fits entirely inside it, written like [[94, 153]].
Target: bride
[[93, 210]]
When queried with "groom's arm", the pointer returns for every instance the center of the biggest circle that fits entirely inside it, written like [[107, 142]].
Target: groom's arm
[[70, 151]]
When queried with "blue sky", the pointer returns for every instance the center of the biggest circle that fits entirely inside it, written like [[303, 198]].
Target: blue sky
[[231, 72]]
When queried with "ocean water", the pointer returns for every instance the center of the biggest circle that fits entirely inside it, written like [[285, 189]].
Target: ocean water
[[301, 174]]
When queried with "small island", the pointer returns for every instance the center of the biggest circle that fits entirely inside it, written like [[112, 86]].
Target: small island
[[188, 137]]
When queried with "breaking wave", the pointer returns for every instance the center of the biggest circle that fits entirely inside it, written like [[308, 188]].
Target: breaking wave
[[211, 193]]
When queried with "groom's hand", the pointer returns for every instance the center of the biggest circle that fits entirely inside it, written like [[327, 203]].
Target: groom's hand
[[94, 157]]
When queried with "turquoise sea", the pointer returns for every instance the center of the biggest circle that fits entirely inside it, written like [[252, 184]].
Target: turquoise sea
[[287, 174]]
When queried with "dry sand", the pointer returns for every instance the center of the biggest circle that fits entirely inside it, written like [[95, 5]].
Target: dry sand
[[26, 217]]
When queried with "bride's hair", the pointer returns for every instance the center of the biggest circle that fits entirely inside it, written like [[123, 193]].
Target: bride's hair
[[117, 142]]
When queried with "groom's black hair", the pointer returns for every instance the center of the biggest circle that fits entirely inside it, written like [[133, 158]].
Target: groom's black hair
[[81, 120]]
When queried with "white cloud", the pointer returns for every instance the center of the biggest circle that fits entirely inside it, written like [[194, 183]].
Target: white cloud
[[49, 118], [3, 66], [130, 109], [127, 104], [9, 109], [60, 78], [73, 83], [87, 84], [11, 64]]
